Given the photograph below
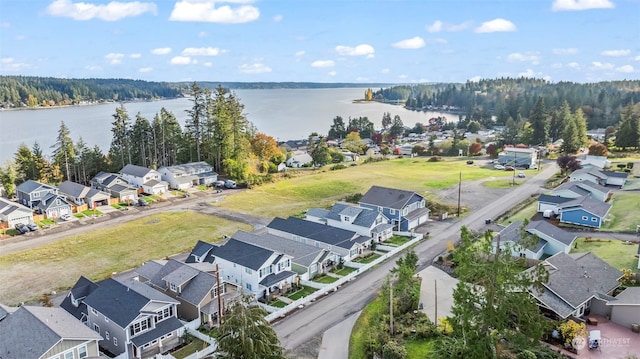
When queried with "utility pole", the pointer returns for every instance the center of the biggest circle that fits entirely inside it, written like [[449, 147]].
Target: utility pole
[[391, 306], [459, 192], [435, 285], [219, 295]]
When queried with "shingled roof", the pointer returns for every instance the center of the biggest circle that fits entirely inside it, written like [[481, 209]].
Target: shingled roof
[[387, 197]]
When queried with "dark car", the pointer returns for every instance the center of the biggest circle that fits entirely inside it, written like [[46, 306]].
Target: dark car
[[21, 228], [142, 202], [509, 168], [32, 227], [469, 162]]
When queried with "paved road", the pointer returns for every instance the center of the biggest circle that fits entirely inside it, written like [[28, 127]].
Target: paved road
[[303, 325]]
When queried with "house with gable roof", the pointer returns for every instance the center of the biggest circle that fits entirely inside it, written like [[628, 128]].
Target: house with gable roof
[[591, 161], [582, 188], [259, 271], [12, 213], [577, 283], [364, 221], [406, 210], [544, 239], [306, 260], [134, 319], [197, 290], [584, 211], [42, 332], [80, 195], [43, 198], [142, 177], [604, 178], [116, 186], [188, 175], [347, 244]]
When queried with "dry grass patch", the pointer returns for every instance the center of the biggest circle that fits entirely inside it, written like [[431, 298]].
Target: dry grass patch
[[96, 254]]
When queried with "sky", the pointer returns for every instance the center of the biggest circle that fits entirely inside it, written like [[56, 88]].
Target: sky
[[359, 41]]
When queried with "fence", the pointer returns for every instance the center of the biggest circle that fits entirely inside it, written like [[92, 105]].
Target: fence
[[333, 287]]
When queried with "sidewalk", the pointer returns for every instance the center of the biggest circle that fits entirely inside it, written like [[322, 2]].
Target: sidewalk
[[335, 341]]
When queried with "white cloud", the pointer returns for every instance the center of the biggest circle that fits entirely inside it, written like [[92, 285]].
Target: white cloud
[[361, 78], [439, 26], [556, 65], [323, 63], [206, 11], [201, 51], [331, 73], [256, 68], [299, 53], [566, 51], [475, 79], [9, 64], [278, 18], [597, 65], [181, 60], [93, 68], [637, 58], [577, 5], [208, 64], [402, 77], [412, 43], [5, 24], [532, 74], [114, 58], [135, 56], [574, 65], [616, 53], [625, 68], [532, 57], [112, 11], [385, 71], [161, 51], [496, 25], [145, 69], [360, 50]]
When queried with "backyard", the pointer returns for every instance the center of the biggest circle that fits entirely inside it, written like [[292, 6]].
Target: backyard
[[96, 254], [624, 214], [302, 292], [615, 252]]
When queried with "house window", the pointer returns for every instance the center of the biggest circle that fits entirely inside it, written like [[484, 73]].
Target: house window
[[379, 209], [392, 211], [106, 335], [405, 211], [248, 286], [68, 355], [594, 219], [164, 314], [347, 219], [106, 319], [173, 287], [248, 270], [115, 341], [94, 311], [96, 328], [139, 326], [82, 352], [585, 218]]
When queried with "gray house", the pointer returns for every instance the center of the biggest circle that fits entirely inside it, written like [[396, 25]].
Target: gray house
[[582, 188], [546, 239], [364, 221], [80, 195], [41, 332], [625, 307], [188, 175], [142, 177], [43, 198], [308, 261], [115, 185], [13, 213], [406, 210], [133, 318]]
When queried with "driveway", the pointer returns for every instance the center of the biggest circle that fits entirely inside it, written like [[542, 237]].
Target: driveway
[[435, 280], [617, 342]]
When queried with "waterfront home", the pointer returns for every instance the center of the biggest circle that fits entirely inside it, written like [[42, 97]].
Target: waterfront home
[[188, 175], [142, 177], [405, 210]]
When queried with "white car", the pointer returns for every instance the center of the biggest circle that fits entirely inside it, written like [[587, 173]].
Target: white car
[[498, 167], [65, 217], [533, 167], [521, 175]]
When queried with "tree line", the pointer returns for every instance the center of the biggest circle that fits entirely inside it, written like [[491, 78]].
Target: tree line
[[216, 131]]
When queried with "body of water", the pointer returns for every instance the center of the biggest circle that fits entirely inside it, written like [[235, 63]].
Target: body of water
[[282, 113]]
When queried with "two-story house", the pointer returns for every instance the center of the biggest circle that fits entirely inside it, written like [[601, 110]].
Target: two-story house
[[347, 244], [43, 198], [604, 178], [142, 177], [406, 210], [80, 195], [259, 271], [42, 332], [197, 290], [116, 186], [133, 318], [364, 221], [12, 213], [540, 238], [188, 175]]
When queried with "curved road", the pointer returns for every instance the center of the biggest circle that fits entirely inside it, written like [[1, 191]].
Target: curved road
[[303, 325]]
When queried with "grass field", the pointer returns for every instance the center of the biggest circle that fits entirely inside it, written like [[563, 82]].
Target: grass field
[[418, 349], [368, 259], [624, 214], [396, 240], [96, 254], [305, 291], [615, 253], [525, 213], [323, 187], [325, 279], [344, 271]]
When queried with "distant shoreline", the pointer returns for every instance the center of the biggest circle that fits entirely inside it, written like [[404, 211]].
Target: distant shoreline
[[27, 108]]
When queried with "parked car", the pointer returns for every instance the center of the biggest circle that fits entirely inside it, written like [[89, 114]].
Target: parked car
[[65, 217], [32, 227], [21, 228], [142, 202], [509, 168], [218, 184], [533, 166], [498, 167], [469, 162], [521, 175], [230, 184]]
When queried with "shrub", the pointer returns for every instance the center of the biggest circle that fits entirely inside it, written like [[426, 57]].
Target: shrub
[[435, 159], [375, 159], [353, 198], [393, 350], [338, 166]]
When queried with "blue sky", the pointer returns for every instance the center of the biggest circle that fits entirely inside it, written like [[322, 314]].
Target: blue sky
[[322, 41]]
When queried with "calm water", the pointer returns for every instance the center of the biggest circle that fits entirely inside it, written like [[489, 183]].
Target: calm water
[[284, 114]]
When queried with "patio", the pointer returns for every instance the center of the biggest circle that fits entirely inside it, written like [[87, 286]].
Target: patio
[[616, 342]]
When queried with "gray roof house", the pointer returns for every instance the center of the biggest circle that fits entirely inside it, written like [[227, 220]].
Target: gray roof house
[[625, 307], [545, 239], [259, 271], [306, 260], [196, 290], [406, 210], [42, 332], [577, 281], [577, 189], [134, 319], [142, 177], [604, 178], [347, 244], [115, 185], [80, 195], [43, 198], [13, 213], [364, 221], [584, 211], [188, 175]]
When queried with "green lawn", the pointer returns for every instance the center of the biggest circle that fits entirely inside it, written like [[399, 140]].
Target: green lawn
[[305, 291], [278, 303], [615, 252], [96, 254], [91, 212], [418, 349], [344, 271], [525, 213], [369, 259], [396, 240], [624, 214], [324, 279], [363, 327], [194, 346], [322, 188]]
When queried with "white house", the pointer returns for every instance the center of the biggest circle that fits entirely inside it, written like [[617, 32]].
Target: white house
[[13, 213], [599, 162], [188, 175], [142, 177], [299, 160], [518, 157]]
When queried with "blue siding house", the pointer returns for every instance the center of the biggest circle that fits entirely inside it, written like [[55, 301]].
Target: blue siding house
[[584, 211], [406, 210]]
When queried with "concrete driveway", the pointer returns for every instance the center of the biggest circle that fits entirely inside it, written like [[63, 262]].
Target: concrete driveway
[[435, 280]]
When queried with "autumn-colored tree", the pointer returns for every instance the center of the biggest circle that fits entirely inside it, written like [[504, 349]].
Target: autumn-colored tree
[[598, 149], [475, 148], [492, 150], [264, 146], [570, 330]]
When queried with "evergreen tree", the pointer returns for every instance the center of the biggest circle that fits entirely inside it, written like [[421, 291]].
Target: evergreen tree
[[539, 123], [338, 129], [26, 164], [194, 125], [8, 178], [64, 150], [397, 127], [386, 120], [120, 150], [319, 151], [142, 140], [628, 133]]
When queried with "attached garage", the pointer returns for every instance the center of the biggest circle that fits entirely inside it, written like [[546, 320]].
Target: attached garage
[[625, 309]]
